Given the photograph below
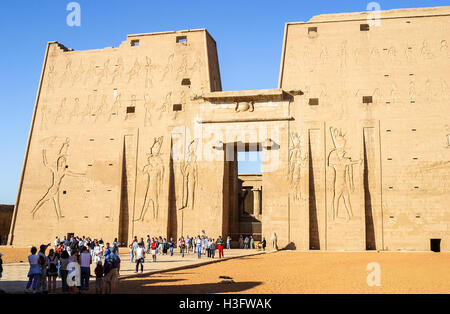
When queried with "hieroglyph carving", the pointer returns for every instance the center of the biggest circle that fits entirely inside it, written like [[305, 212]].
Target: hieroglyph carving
[[154, 169], [189, 172], [58, 167], [297, 162], [343, 173]]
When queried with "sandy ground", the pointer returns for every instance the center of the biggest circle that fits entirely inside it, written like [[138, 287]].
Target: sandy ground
[[305, 272], [20, 255]]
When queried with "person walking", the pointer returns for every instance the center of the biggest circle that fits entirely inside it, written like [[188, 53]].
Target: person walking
[[153, 248], [98, 253], [241, 242], [228, 242], [182, 246], [208, 247], [198, 243], [85, 265], [252, 243], [212, 249], [42, 282], [99, 277], [149, 241], [52, 271], [140, 256], [34, 272], [111, 271], [171, 246], [220, 246], [264, 243], [63, 262]]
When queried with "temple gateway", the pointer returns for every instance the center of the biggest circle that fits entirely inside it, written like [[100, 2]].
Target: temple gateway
[[355, 141]]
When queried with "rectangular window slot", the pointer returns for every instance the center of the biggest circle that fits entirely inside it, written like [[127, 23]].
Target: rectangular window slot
[[411, 74], [388, 130], [89, 165], [417, 216], [386, 75], [367, 99], [413, 102], [93, 114], [364, 27], [111, 139], [86, 216], [385, 49], [408, 22], [135, 43], [64, 192], [110, 164], [414, 130], [389, 159], [109, 190], [177, 107], [88, 191], [106, 216], [182, 40], [391, 188], [91, 140], [392, 217], [186, 82], [416, 187], [312, 30], [415, 158], [113, 114], [314, 101], [67, 166], [410, 48], [131, 109], [388, 102]]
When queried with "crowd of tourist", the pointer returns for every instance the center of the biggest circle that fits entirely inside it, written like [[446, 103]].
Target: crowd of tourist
[[71, 259]]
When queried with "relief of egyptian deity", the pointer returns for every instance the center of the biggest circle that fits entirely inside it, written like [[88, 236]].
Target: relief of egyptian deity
[[78, 75], [343, 173], [154, 169], [115, 106], [58, 167], [168, 67], [118, 71], [51, 77], [148, 70], [74, 113], [134, 71], [165, 106], [59, 116], [298, 160], [66, 77], [45, 113], [90, 73], [425, 51], [148, 108], [189, 172], [103, 73]]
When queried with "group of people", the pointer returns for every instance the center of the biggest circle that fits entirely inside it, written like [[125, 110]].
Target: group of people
[[71, 260], [200, 245]]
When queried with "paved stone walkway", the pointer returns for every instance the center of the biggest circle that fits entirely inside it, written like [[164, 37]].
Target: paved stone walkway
[[15, 274]]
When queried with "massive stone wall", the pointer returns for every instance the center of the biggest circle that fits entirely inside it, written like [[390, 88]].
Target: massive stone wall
[[140, 139], [379, 166]]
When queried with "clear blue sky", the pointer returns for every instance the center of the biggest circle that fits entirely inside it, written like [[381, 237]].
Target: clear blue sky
[[249, 37]]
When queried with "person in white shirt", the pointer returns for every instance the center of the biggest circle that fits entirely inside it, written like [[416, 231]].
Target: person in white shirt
[[140, 257], [98, 253], [85, 265]]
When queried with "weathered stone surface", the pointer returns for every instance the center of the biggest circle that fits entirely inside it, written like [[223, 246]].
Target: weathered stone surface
[[140, 139]]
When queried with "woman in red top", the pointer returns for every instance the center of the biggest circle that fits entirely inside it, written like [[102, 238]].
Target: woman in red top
[[153, 247], [182, 246]]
